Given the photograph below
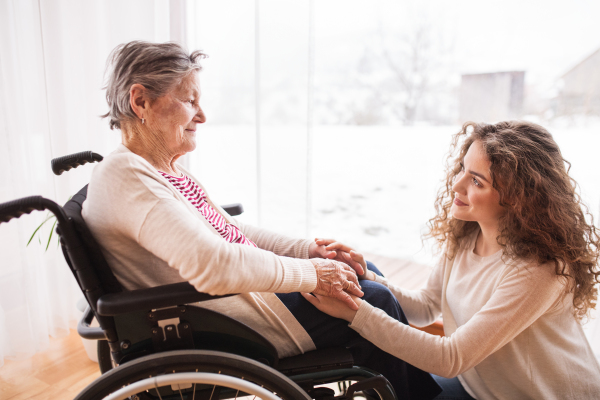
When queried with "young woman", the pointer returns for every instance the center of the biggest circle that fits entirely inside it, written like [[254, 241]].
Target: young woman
[[516, 277]]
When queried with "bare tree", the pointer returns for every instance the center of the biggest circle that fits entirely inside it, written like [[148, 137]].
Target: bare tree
[[400, 75], [411, 65]]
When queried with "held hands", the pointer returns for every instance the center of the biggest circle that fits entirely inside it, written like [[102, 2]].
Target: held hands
[[337, 280], [337, 292], [332, 249]]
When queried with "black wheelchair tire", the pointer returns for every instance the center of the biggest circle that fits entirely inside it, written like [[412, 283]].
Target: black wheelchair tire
[[193, 361], [104, 360]]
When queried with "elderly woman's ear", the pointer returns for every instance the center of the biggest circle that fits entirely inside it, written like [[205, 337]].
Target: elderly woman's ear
[[138, 100]]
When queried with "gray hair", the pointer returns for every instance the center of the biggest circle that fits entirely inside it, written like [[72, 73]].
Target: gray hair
[[159, 67]]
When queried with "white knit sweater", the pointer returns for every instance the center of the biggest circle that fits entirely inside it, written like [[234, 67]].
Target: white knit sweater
[[151, 236], [510, 331]]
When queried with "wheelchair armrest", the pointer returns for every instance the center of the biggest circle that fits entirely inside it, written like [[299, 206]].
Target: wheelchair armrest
[[233, 209], [85, 330], [316, 361], [175, 294]]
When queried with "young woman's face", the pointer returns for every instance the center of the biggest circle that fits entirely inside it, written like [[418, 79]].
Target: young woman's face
[[474, 197]]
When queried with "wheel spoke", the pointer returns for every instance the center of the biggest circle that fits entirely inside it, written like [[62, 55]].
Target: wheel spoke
[[157, 391], [213, 391], [238, 392]]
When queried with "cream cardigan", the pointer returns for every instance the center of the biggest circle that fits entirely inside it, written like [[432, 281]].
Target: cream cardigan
[[510, 332], [151, 235]]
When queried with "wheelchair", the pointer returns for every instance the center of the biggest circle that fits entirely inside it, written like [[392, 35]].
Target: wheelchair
[[164, 348]]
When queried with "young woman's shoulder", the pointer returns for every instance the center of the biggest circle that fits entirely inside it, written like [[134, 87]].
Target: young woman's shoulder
[[541, 280]]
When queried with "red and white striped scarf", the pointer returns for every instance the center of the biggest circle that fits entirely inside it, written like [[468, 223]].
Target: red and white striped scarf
[[195, 195]]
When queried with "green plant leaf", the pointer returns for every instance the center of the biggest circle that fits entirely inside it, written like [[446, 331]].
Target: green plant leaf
[[48, 218], [51, 232]]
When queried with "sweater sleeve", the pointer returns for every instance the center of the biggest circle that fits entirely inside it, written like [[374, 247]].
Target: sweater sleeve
[[279, 244], [421, 307], [519, 300], [213, 265]]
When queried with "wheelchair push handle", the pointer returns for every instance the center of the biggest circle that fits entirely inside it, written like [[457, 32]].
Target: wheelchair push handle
[[25, 205], [65, 163]]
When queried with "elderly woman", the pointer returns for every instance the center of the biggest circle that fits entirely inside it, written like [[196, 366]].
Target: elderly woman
[[157, 225]]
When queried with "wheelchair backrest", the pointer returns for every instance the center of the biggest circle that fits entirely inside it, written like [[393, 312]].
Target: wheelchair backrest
[[72, 208], [83, 255]]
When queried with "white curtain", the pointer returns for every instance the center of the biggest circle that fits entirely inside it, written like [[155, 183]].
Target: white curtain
[[52, 58]]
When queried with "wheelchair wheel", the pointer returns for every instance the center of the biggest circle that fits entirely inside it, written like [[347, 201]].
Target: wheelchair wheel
[[171, 368]]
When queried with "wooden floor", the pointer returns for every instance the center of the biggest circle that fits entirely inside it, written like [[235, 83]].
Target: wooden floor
[[58, 373], [64, 369], [401, 272]]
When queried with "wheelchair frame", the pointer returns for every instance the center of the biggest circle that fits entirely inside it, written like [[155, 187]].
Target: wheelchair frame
[[158, 323]]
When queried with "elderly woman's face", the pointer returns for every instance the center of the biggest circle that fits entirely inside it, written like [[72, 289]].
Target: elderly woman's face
[[175, 115]]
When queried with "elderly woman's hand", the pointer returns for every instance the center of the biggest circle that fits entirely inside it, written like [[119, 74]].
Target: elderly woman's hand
[[337, 280], [332, 249]]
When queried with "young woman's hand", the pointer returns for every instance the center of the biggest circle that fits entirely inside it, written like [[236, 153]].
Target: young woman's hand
[[333, 307], [332, 249]]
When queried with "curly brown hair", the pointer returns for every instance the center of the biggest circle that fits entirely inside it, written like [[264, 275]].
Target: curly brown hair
[[545, 220]]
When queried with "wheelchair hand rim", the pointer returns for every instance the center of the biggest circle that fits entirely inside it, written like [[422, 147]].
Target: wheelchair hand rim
[[192, 377]]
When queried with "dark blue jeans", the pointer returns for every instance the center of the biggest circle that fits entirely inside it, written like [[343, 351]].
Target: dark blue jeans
[[326, 331], [451, 389]]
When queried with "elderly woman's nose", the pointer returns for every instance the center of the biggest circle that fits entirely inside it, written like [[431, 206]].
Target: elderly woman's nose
[[200, 118]]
